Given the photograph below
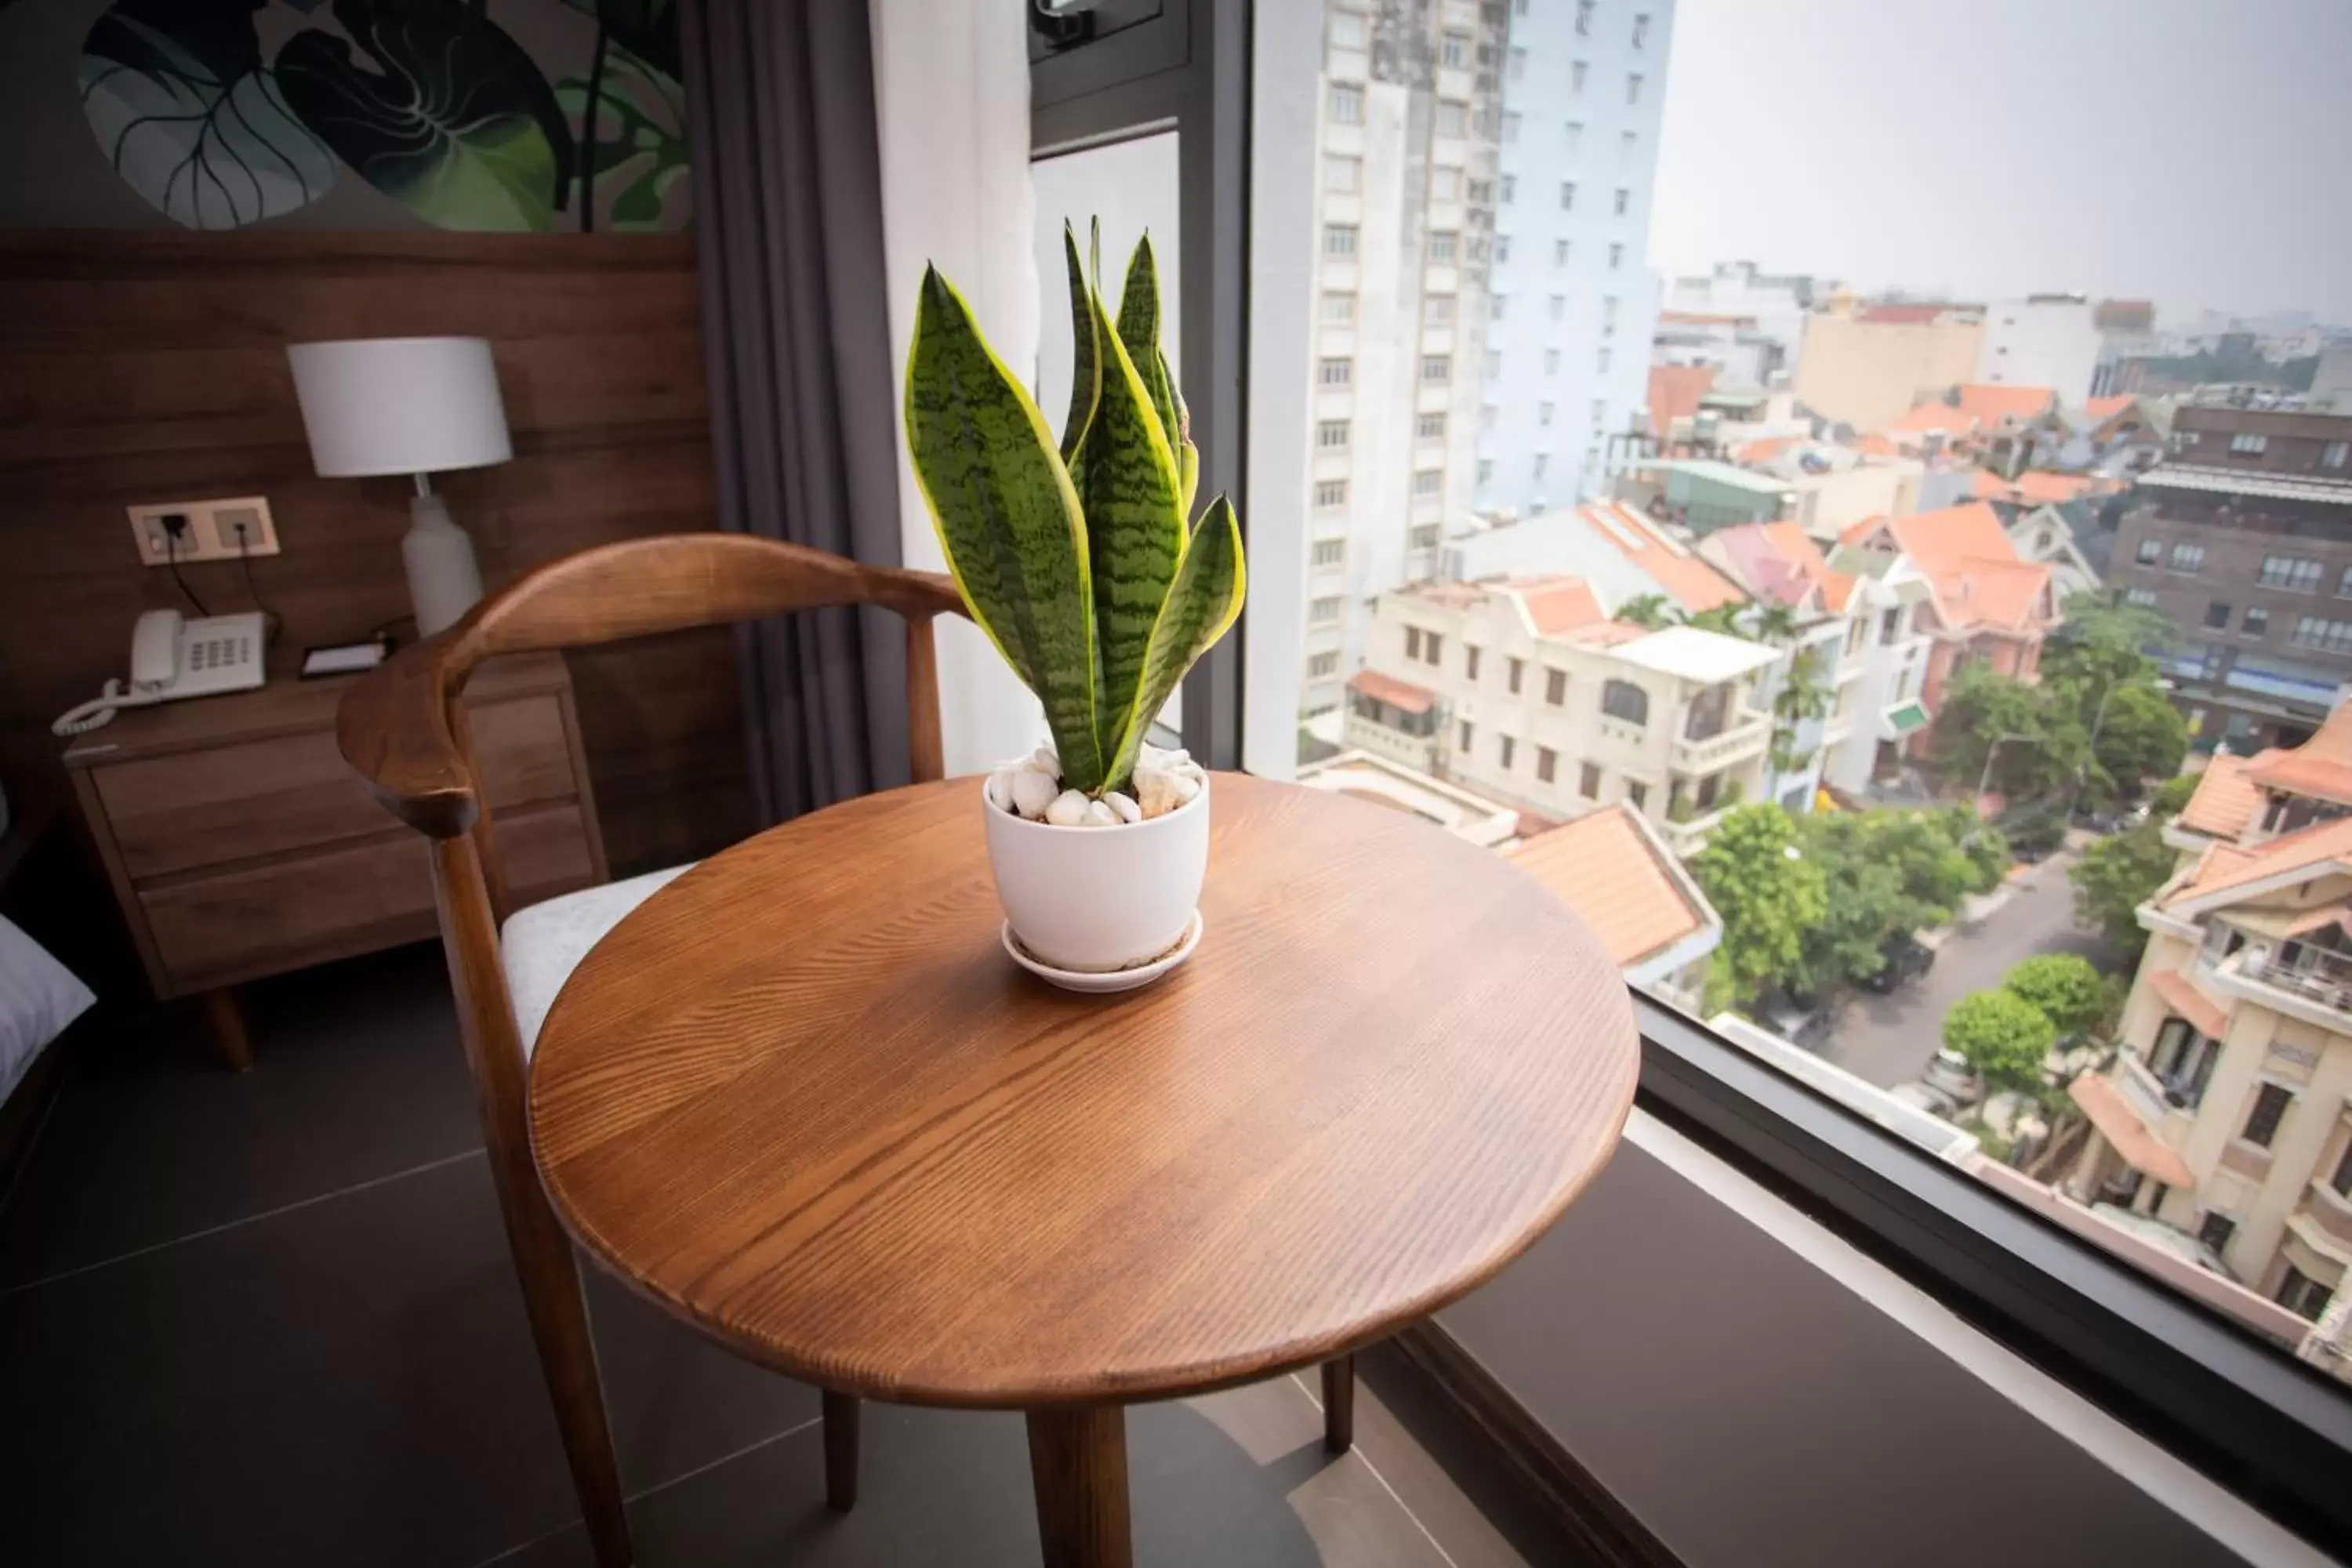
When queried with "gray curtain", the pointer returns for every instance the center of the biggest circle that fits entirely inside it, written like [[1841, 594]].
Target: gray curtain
[[797, 336]]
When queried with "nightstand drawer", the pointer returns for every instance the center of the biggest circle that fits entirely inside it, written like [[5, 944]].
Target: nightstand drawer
[[220, 928], [256, 797]]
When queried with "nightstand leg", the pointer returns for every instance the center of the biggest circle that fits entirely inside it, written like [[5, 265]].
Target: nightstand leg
[[227, 1021]]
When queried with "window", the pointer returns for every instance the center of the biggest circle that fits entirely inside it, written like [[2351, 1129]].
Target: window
[[2149, 552], [1336, 371], [1616, 255], [1330, 552], [1600, 412], [1510, 133], [1343, 174], [2139, 596], [1504, 749], [1518, 667], [1339, 239], [1502, 248], [1347, 104], [1339, 309], [1330, 493], [1510, 189], [1436, 367], [2340, 1181], [1486, 470], [1437, 310], [1641, 30], [1347, 31], [2344, 583], [2271, 1101], [1429, 428], [1452, 118], [1624, 199], [2214, 1231], [1584, 19], [2246, 442], [1890, 627], [1322, 666], [1546, 764], [1633, 88], [1559, 304], [1543, 413], [1518, 68], [1588, 781], [1497, 306], [1494, 364], [1551, 362], [2330, 636], [2305, 1297], [1323, 611], [1454, 50], [2283, 572], [1422, 536], [1441, 248], [1568, 196], [1602, 361], [1560, 253], [1412, 643], [1608, 312], [2257, 622], [1331, 434], [1576, 76], [2187, 558], [2333, 454], [1575, 136], [1637, 794], [1434, 647], [1623, 699], [1627, 141], [2217, 616], [1470, 652], [1555, 688], [1428, 482]]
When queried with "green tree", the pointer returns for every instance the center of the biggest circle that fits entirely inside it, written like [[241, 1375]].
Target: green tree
[[1802, 694], [1649, 610], [2142, 737], [2065, 988], [1980, 706], [1724, 618], [2003, 1036], [2172, 797], [1775, 624], [2116, 875], [1769, 895], [2104, 642]]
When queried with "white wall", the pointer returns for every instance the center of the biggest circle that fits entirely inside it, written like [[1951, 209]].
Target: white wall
[[2041, 342]]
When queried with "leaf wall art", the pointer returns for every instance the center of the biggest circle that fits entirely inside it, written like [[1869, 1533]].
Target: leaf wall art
[[227, 112]]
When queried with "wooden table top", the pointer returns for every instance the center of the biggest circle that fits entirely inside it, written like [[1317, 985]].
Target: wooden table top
[[803, 1099]]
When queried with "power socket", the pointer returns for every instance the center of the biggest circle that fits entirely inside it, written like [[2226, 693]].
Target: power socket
[[210, 533]]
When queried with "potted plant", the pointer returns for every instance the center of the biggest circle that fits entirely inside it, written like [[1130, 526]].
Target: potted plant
[[1078, 561]]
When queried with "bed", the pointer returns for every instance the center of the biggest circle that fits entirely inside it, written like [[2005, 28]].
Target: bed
[[38, 997]]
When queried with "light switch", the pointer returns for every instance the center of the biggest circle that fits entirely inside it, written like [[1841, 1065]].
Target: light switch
[[211, 533]]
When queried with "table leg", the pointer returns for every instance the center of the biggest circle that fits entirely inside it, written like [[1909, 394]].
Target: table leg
[[1077, 1461], [227, 1021], [1340, 1404]]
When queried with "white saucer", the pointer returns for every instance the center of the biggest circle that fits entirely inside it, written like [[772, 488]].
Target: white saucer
[[1117, 979]]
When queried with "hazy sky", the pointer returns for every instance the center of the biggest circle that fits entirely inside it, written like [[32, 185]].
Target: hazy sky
[[2198, 153]]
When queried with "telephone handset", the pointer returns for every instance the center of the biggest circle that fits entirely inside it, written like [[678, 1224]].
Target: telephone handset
[[171, 658]]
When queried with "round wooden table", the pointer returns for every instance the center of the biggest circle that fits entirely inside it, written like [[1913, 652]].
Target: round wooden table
[[803, 1099]]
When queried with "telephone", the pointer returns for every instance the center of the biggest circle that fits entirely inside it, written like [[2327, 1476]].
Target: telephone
[[172, 659]]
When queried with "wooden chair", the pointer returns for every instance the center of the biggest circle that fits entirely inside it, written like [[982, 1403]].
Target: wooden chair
[[403, 728]]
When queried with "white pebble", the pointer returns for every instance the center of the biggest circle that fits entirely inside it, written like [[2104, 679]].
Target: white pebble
[[1031, 793], [1123, 804], [1099, 814], [999, 789], [1043, 760], [1187, 786], [1155, 791], [1068, 809]]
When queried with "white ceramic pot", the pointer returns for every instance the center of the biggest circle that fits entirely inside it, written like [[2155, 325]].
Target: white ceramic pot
[[1096, 900]]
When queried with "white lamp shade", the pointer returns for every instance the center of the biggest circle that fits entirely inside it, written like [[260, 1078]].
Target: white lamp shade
[[400, 406]]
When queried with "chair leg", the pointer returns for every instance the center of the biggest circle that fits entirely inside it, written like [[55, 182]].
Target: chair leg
[[1340, 1404], [841, 1413]]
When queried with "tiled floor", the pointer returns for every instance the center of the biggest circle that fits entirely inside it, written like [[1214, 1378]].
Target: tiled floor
[[270, 1319]]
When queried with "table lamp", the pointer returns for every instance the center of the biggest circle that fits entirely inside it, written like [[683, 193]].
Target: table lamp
[[408, 406]]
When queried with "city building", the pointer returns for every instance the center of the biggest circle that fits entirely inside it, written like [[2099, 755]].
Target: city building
[[1865, 365], [1408, 130], [1984, 603], [1612, 868], [2242, 540], [1837, 485], [2044, 535], [1363, 776], [1778, 566], [2126, 329], [2003, 428], [1567, 356], [1731, 345], [1882, 670], [1673, 397], [1526, 692], [1773, 304], [2042, 340], [2226, 1114]]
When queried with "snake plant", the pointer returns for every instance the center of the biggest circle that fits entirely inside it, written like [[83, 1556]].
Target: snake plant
[[1076, 558]]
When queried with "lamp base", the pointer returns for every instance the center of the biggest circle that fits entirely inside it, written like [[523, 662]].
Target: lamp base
[[444, 583]]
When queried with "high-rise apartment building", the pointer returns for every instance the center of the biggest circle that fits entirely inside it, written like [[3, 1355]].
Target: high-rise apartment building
[[1574, 303]]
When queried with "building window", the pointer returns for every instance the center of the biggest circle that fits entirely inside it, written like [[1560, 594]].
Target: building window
[[1429, 428], [1436, 367], [1510, 189], [1641, 30], [1628, 141], [1428, 482], [1601, 361], [1616, 255], [1576, 70], [1510, 133], [1331, 434], [2140, 598], [1324, 611], [1347, 104], [1339, 309], [1558, 305], [1454, 50], [2283, 572], [2344, 583], [1502, 248], [1518, 667], [1588, 781], [1505, 749], [1336, 372], [1551, 362], [1543, 414], [1546, 764], [1568, 196], [1339, 239], [1441, 248], [1584, 19], [1437, 310], [2330, 636], [1623, 699], [2341, 1181], [2217, 616], [2333, 454], [1575, 130], [2149, 552], [1625, 200], [2263, 1122], [1348, 32], [1633, 88], [1518, 68], [2214, 1231], [1322, 666], [1543, 461], [1412, 643], [1560, 253], [1434, 648], [1345, 174], [1470, 652], [2305, 1297], [2187, 558], [1330, 493], [2249, 443], [1445, 186], [1494, 363], [1608, 314], [2257, 622], [1452, 118], [1637, 794], [1486, 469], [1555, 688], [1330, 552], [1422, 536]]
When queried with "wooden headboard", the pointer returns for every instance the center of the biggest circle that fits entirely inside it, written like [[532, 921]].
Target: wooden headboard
[[139, 365]]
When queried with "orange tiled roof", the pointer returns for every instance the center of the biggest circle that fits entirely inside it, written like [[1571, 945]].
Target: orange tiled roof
[[1969, 561], [1837, 591], [1557, 605], [1403, 695], [1608, 871], [1937, 416], [1680, 575], [1608, 634], [2103, 409], [1764, 451], [2224, 867], [1877, 447], [1856, 532], [1675, 391], [1992, 403], [2190, 1003], [2321, 766], [2226, 800], [2121, 1126], [2032, 486]]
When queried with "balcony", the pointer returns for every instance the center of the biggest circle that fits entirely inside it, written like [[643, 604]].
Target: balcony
[[1746, 736], [1689, 836], [2296, 978]]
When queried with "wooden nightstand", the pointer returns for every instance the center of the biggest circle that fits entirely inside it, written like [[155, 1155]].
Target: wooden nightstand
[[241, 845]]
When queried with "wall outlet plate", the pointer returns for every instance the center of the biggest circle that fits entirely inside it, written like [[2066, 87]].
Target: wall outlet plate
[[212, 530]]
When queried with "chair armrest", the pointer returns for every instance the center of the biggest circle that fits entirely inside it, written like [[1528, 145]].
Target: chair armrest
[[393, 727]]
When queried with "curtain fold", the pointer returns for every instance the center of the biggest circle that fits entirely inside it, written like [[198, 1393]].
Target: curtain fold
[[796, 343]]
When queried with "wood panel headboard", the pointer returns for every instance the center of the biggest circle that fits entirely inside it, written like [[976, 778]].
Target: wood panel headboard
[[141, 366]]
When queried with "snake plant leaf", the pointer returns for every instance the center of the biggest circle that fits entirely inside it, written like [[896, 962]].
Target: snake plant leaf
[[1188, 455], [1086, 360], [1138, 329], [1007, 519], [1132, 498], [1202, 604]]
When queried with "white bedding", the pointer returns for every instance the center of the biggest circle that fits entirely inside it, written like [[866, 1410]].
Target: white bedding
[[38, 997]]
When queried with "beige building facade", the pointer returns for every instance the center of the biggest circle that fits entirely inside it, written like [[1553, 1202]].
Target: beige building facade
[[1865, 365]]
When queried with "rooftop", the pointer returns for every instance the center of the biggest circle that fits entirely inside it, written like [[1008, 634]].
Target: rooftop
[[1401, 695], [2321, 767], [1693, 653], [1679, 573], [1966, 556], [1674, 393], [1460, 812], [1729, 475], [1610, 868], [2226, 800], [2032, 486], [2246, 482], [2320, 849]]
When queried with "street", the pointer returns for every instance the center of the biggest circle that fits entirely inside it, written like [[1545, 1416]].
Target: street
[[1887, 1039]]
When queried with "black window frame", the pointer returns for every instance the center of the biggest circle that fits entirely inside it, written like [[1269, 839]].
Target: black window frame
[[2272, 1102]]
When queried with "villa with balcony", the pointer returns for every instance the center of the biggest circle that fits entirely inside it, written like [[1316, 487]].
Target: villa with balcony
[[1525, 692]]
